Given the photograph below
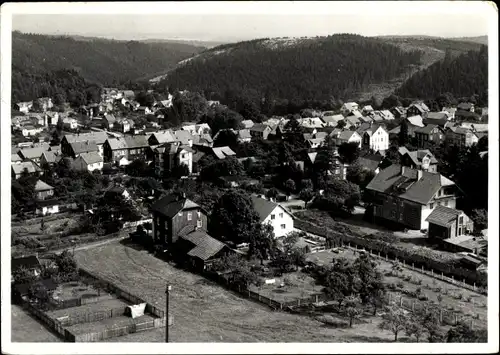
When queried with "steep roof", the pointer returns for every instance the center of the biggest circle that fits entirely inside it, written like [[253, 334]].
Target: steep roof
[[259, 127], [388, 115], [117, 143], [263, 207], [427, 129], [436, 122], [172, 204], [465, 106], [422, 107], [247, 123], [350, 105], [15, 158], [164, 137], [32, 153], [183, 136], [443, 216], [352, 120], [422, 191], [42, 186], [91, 157], [346, 135], [437, 115], [84, 147], [205, 246], [136, 142], [30, 166], [244, 134], [332, 119]]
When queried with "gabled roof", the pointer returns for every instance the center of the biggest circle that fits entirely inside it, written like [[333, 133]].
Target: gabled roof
[[369, 128], [350, 106], [443, 216], [417, 155], [205, 246], [312, 156], [332, 119], [91, 158], [368, 108], [97, 137], [437, 115], [223, 152], [110, 118], [244, 134], [421, 191], [42, 186], [437, 122], [15, 158], [366, 119], [259, 127], [370, 162], [32, 153], [84, 147], [117, 143], [30, 166], [264, 207], [387, 115], [164, 137], [354, 120], [465, 106], [422, 107], [416, 120], [133, 142], [247, 123], [172, 204], [460, 130], [183, 136], [346, 135], [428, 129]]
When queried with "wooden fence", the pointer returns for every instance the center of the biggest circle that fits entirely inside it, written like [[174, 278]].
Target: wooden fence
[[91, 316], [51, 323]]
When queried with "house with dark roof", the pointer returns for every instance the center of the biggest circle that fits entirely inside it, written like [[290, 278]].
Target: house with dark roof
[[429, 134], [78, 148], [97, 137], [465, 106], [406, 196], [418, 159], [88, 162], [198, 250], [417, 109], [370, 162], [43, 190], [345, 136], [333, 120], [445, 223], [260, 130], [398, 112], [460, 136], [173, 215], [137, 147], [274, 214]]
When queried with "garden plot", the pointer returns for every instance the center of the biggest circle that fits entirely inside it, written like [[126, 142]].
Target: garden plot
[[71, 290], [101, 306], [110, 323], [448, 296]]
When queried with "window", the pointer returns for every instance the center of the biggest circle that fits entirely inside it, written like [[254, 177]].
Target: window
[[190, 216], [281, 215], [461, 220], [283, 226], [272, 216], [199, 223], [199, 214], [431, 205]]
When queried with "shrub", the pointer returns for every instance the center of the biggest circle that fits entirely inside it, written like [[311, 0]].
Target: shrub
[[419, 281], [418, 291], [439, 298], [400, 285], [437, 289], [459, 296], [392, 286], [445, 291], [423, 297]]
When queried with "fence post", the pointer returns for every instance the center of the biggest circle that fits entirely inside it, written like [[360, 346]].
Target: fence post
[[404, 262], [298, 302], [464, 282], [248, 293], [441, 315], [413, 266], [401, 302], [432, 272], [316, 298], [474, 286], [422, 268], [385, 257], [442, 276]]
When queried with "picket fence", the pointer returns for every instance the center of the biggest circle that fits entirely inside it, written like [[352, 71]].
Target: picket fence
[[117, 332], [92, 316]]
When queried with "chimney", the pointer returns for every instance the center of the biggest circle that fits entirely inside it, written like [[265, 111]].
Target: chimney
[[419, 174]]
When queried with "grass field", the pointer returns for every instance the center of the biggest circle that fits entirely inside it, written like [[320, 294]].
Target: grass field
[[204, 311], [26, 329], [428, 286]]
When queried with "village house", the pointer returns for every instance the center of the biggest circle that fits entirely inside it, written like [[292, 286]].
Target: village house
[[34, 154], [274, 214], [366, 109], [417, 109], [28, 166], [183, 137], [24, 107], [332, 121], [370, 162], [49, 158], [43, 190], [461, 137], [315, 143], [430, 133], [77, 148], [137, 147], [204, 140], [70, 123], [475, 127], [418, 159], [161, 138], [445, 223], [438, 116], [348, 108], [338, 169], [260, 130], [30, 130], [366, 119], [247, 124], [128, 94], [311, 122], [413, 123], [407, 196], [174, 213], [97, 137], [114, 149], [398, 112], [197, 129], [346, 137], [374, 136], [108, 122], [87, 162], [465, 106], [170, 156], [37, 119], [450, 112], [117, 190], [352, 121]]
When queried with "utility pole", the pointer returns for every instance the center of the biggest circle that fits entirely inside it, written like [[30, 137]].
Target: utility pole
[[166, 312]]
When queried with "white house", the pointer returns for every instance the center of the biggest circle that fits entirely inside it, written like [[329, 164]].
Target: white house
[[70, 123], [269, 212], [346, 137], [374, 136], [31, 130]]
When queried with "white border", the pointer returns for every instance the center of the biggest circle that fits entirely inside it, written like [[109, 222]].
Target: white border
[[282, 8]]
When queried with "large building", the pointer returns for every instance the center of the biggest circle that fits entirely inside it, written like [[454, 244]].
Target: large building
[[407, 196]]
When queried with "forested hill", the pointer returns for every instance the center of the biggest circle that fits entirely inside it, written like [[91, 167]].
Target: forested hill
[[103, 61], [463, 76], [294, 68]]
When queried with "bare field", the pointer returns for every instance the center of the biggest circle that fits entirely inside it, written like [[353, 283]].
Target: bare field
[[204, 311], [26, 329]]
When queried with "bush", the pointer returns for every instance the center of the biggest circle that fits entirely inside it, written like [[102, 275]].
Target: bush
[[392, 286], [400, 285], [437, 289], [418, 291], [439, 298], [419, 281], [423, 297]]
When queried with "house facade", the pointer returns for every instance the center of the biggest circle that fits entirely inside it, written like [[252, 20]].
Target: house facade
[[170, 156], [274, 214], [445, 223], [88, 162], [417, 109], [375, 137], [114, 149], [174, 213], [429, 134], [418, 159], [461, 137], [260, 130], [407, 196], [348, 108]]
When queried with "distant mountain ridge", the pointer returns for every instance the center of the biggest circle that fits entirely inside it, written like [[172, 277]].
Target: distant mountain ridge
[[104, 61]]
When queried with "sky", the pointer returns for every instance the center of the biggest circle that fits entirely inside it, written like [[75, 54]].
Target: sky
[[318, 19]]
